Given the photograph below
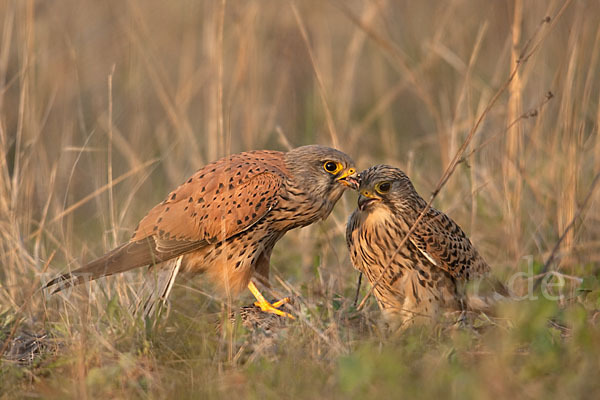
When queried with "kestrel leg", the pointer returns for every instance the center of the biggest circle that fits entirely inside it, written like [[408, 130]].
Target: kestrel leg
[[265, 305]]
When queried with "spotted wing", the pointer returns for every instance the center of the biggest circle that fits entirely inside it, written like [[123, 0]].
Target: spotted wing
[[218, 202]]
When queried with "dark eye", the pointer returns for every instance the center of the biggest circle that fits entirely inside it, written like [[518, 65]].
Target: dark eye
[[383, 187], [332, 167]]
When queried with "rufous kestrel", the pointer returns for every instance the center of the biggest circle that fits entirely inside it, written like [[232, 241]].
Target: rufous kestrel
[[226, 218]]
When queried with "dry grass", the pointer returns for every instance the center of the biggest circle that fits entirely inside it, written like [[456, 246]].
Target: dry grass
[[105, 106]]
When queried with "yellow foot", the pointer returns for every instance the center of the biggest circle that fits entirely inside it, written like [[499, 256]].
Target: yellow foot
[[265, 306], [272, 308], [281, 302]]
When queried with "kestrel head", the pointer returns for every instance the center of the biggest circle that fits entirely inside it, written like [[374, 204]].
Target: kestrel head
[[322, 171], [385, 186]]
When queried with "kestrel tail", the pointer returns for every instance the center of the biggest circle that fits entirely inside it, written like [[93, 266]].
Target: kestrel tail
[[226, 218], [427, 276]]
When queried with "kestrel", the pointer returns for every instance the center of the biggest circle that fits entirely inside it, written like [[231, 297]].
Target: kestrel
[[427, 276], [226, 218]]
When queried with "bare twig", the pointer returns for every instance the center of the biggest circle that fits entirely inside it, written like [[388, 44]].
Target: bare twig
[[531, 113]]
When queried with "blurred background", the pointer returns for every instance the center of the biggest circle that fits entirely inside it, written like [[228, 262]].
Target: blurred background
[[105, 106]]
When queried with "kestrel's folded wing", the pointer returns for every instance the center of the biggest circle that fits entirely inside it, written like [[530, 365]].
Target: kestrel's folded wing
[[218, 202], [444, 243]]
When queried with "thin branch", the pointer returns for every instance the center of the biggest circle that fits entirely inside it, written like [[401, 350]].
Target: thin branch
[[531, 113]]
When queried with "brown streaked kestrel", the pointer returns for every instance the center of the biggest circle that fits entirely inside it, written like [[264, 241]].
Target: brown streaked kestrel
[[427, 276], [226, 218]]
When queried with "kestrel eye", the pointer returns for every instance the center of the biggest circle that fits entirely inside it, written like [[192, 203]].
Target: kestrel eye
[[332, 167], [383, 187]]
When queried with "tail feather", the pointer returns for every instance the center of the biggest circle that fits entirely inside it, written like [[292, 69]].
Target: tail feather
[[128, 256]]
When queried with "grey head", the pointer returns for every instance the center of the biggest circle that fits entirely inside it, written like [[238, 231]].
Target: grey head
[[321, 171]]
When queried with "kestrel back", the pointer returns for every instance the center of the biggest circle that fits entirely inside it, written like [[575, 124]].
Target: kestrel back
[[226, 218], [427, 276]]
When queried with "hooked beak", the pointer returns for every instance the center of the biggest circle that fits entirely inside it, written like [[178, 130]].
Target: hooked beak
[[365, 198], [349, 178]]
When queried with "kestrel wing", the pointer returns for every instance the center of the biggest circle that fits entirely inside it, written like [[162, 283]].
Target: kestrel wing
[[218, 202], [444, 243]]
